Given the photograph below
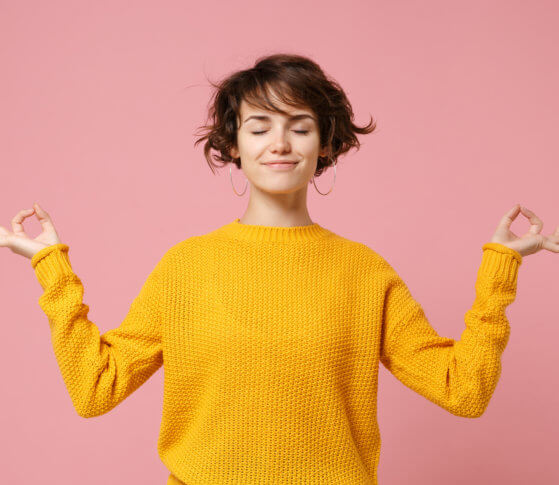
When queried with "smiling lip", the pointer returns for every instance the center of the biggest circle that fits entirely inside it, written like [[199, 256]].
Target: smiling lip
[[281, 165]]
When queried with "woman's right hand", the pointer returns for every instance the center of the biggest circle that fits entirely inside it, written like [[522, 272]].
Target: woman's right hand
[[20, 243]]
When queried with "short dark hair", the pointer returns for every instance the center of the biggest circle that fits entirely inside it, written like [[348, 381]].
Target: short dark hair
[[299, 82]]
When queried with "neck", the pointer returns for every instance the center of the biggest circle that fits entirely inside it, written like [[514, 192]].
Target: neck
[[278, 209], [279, 221]]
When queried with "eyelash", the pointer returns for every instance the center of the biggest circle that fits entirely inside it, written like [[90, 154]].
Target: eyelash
[[302, 132]]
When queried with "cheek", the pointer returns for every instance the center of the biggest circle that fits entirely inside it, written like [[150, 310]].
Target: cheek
[[310, 144], [250, 145]]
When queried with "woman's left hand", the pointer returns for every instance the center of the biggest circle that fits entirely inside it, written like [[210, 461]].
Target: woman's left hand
[[532, 241]]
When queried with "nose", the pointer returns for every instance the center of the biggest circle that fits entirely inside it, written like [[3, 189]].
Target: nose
[[280, 142]]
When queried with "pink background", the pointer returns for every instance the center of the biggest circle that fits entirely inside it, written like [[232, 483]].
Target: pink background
[[100, 102]]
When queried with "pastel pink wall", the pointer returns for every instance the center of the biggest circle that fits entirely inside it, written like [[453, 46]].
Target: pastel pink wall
[[99, 105]]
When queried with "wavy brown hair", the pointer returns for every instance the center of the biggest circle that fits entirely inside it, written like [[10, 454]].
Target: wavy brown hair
[[298, 82]]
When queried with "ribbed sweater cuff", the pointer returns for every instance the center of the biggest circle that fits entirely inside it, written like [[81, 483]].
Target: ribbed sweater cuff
[[51, 262], [496, 260]]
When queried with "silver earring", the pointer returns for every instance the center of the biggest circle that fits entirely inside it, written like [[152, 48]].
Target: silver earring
[[231, 178], [335, 163]]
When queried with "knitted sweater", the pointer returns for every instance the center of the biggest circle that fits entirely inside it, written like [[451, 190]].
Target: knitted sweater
[[271, 339]]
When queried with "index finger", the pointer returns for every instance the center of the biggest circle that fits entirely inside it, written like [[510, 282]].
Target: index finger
[[535, 221], [510, 216], [17, 221]]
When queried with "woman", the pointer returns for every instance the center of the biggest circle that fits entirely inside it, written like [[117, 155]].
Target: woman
[[271, 327]]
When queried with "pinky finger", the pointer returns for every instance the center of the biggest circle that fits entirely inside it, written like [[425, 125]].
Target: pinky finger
[[551, 244], [3, 236]]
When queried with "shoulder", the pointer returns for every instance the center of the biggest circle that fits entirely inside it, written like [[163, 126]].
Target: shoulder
[[177, 256], [360, 250], [182, 250], [360, 256], [375, 266]]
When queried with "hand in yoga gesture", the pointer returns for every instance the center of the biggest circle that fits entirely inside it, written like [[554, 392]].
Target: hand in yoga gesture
[[529, 243], [532, 241], [21, 243]]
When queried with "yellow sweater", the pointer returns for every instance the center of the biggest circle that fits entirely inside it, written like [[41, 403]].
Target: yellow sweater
[[271, 338]]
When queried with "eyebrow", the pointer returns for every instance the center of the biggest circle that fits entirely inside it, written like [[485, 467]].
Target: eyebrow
[[267, 118]]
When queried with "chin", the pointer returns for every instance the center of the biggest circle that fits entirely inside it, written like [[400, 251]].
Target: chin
[[283, 187]]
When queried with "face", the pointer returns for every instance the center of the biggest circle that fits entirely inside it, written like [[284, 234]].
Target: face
[[264, 136]]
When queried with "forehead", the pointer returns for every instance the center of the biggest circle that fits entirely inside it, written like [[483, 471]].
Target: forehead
[[262, 113], [246, 108]]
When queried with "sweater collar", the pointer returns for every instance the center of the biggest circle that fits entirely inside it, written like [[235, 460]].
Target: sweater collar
[[259, 233]]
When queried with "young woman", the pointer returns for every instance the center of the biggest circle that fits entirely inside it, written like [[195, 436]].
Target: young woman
[[271, 327]]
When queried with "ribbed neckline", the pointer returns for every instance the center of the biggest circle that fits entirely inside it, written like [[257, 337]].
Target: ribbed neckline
[[254, 232]]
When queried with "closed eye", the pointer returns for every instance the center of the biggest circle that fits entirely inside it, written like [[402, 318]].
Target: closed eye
[[302, 132]]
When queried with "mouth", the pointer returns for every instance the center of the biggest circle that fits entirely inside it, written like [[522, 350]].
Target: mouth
[[281, 165]]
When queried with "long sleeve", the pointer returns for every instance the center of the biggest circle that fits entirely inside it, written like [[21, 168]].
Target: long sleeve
[[459, 376], [99, 371]]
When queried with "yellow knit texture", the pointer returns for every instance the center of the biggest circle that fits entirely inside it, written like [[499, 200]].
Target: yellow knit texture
[[271, 339]]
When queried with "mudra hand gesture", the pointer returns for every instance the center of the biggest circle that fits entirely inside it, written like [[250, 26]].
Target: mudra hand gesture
[[21, 243], [532, 241], [529, 243]]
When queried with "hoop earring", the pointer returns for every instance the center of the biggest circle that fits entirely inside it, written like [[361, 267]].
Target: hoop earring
[[231, 178], [334, 165]]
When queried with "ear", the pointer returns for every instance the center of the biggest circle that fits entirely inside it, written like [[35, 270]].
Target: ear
[[234, 153], [324, 152]]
